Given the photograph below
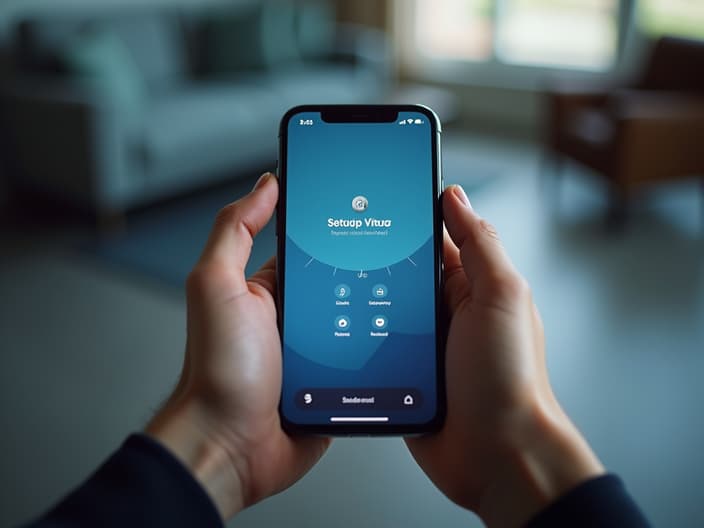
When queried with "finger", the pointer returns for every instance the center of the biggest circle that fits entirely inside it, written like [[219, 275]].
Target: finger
[[270, 264], [451, 253], [538, 330], [230, 241], [456, 285], [266, 276], [484, 260]]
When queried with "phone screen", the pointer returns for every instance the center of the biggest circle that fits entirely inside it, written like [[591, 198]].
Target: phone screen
[[359, 277]]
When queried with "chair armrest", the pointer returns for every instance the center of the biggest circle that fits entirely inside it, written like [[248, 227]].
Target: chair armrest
[[642, 104], [575, 100], [66, 140], [579, 93], [562, 100]]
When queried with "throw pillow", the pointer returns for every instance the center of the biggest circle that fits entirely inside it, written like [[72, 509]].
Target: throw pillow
[[100, 57]]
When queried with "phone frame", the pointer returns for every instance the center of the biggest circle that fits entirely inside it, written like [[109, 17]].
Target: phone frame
[[368, 114]]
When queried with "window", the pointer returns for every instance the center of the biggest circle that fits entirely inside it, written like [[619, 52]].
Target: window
[[454, 29], [578, 34], [674, 17]]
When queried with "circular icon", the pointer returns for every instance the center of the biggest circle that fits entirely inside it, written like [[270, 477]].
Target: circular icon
[[379, 291], [379, 322], [360, 204], [342, 322], [342, 291]]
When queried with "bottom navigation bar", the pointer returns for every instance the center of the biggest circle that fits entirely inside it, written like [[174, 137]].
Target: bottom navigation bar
[[377, 400]]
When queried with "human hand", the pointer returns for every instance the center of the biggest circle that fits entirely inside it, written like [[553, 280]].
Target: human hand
[[222, 420], [506, 449]]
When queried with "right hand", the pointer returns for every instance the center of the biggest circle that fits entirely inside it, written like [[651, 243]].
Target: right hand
[[506, 449]]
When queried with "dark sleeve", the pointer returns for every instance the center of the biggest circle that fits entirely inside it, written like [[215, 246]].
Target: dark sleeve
[[602, 501], [142, 484]]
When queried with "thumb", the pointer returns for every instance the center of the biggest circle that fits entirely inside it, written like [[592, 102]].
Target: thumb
[[487, 266], [230, 241]]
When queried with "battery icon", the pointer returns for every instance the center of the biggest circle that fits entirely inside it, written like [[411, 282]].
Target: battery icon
[[418, 121]]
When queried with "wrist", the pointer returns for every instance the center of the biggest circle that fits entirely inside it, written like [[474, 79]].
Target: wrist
[[541, 463], [182, 428]]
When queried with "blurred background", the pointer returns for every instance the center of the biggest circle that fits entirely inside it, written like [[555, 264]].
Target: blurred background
[[576, 127]]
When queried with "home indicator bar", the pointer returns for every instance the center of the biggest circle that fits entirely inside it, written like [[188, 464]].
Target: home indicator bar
[[359, 418]]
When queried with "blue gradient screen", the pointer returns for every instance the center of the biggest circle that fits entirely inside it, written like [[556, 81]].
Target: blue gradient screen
[[359, 323]]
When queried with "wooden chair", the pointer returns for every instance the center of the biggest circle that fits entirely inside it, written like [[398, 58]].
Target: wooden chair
[[648, 132]]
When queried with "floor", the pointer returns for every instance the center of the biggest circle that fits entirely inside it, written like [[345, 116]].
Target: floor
[[90, 352]]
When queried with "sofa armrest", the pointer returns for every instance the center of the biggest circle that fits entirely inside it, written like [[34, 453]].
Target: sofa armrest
[[66, 140]]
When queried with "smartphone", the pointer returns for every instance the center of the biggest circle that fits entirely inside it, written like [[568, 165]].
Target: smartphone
[[359, 269]]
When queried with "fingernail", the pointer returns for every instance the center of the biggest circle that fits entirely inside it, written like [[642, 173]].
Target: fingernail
[[262, 180], [461, 195]]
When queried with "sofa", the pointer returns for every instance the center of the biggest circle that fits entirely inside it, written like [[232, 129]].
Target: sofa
[[110, 110]]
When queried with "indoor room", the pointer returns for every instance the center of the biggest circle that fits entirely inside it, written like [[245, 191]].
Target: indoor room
[[575, 128]]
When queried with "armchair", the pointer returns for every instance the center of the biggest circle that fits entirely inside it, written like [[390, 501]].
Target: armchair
[[635, 136]]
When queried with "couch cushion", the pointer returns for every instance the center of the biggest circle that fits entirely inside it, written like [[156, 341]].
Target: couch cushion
[[279, 18], [250, 38], [153, 38], [231, 41], [157, 44], [207, 128], [38, 39], [101, 57], [315, 29], [217, 126]]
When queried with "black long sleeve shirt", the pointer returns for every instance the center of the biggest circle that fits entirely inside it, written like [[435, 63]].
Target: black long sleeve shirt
[[143, 484]]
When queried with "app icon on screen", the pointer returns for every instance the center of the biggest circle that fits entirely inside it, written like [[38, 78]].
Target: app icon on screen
[[379, 291], [342, 291], [360, 203], [342, 322], [379, 322]]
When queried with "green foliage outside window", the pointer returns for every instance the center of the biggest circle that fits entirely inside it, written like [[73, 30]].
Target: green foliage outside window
[[684, 18]]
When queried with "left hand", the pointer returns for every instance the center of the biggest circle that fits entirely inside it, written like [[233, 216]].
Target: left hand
[[222, 420]]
